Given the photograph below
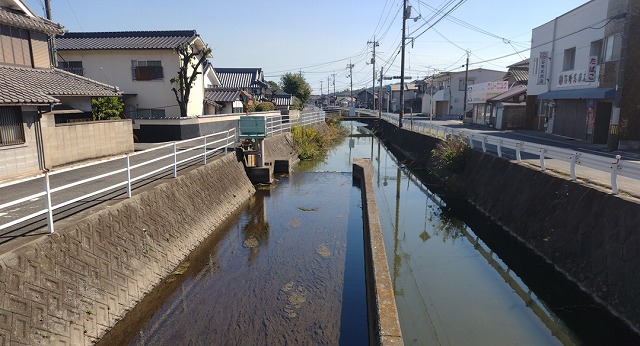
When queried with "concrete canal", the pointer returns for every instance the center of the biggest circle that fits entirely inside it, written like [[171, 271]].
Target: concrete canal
[[287, 269]]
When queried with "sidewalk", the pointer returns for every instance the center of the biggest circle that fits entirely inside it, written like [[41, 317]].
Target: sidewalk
[[599, 179]]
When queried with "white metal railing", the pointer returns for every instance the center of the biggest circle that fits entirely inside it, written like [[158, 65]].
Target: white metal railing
[[614, 166], [179, 153], [280, 124], [182, 152]]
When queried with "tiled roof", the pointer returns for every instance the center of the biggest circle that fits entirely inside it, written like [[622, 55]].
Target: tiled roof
[[35, 86], [239, 78], [519, 74], [282, 99], [20, 20], [523, 63], [514, 91], [124, 40], [221, 95]]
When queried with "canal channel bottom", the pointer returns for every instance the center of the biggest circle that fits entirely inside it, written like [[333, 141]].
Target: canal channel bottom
[[290, 270]]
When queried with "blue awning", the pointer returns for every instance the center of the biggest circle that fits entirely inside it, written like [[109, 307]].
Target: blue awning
[[575, 94]]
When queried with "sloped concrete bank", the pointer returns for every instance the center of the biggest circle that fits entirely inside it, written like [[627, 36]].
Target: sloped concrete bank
[[588, 234], [72, 286]]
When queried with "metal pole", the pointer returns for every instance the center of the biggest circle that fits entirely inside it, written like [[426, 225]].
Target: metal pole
[[404, 31], [47, 189], [175, 160], [380, 95], [205, 150], [466, 80], [128, 164]]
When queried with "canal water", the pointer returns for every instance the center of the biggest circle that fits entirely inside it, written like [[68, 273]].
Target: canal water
[[288, 269]]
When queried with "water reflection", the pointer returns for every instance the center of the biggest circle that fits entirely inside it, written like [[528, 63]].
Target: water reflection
[[256, 230], [453, 288], [288, 270]]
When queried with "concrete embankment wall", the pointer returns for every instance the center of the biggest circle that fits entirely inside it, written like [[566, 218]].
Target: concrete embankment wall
[[72, 286], [584, 231], [384, 325]]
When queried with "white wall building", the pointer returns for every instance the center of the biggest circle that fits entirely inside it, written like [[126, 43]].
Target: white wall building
[[574, 70], [448, 95], [140, 63]]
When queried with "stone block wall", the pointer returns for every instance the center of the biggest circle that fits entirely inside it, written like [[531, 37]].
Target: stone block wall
[[585, 232], [69, 288], [73, 142]]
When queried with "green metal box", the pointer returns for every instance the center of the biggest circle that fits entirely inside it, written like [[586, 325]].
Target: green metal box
[[252, 127]]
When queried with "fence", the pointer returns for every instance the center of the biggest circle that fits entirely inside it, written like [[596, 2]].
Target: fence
[[77, 184], [614, 166], [279, 124]]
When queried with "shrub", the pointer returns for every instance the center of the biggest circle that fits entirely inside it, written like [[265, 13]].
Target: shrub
[[451, 155], [265, 107], [311, 144], [106, 108]]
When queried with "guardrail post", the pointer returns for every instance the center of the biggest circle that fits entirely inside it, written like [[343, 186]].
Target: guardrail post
[[572, 166], [484, 144], [205, 150], [518, 148], [226, 146], [471, 140], [175, 160], [47, 189], [128, 163], [542, 151], [614, 175], [499, 147]]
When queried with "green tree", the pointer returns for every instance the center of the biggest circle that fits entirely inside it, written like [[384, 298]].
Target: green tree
[[106, 108], [297, 86], [190, 61], [273, 88]]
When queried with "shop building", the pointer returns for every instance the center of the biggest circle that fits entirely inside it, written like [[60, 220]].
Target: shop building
[[581, 83]]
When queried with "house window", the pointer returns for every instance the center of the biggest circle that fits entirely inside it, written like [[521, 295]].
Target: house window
[[146, 70], [11, 130], [596, 49], [612, 47], [72, 66], [569, 59], [14, 46], [470, 81]]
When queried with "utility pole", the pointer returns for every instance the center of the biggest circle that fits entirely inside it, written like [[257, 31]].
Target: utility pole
[[350, 67], [334, 84], [373, 62], [321, 89], [466, 76], [380, 95], [52, 39], [405, 15], [328, 90]]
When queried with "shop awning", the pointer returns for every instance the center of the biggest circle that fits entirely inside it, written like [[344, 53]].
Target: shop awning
[[575, 94]]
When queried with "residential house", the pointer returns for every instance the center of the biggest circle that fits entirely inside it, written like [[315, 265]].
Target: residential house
[[282, 100], [449, 95], [580, 82], [508, 110], [245, 79], [364, 98], [412, 101], [37, 101], [141, 63]]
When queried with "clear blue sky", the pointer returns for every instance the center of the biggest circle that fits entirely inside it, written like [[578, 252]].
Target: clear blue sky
[[320, 38]]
